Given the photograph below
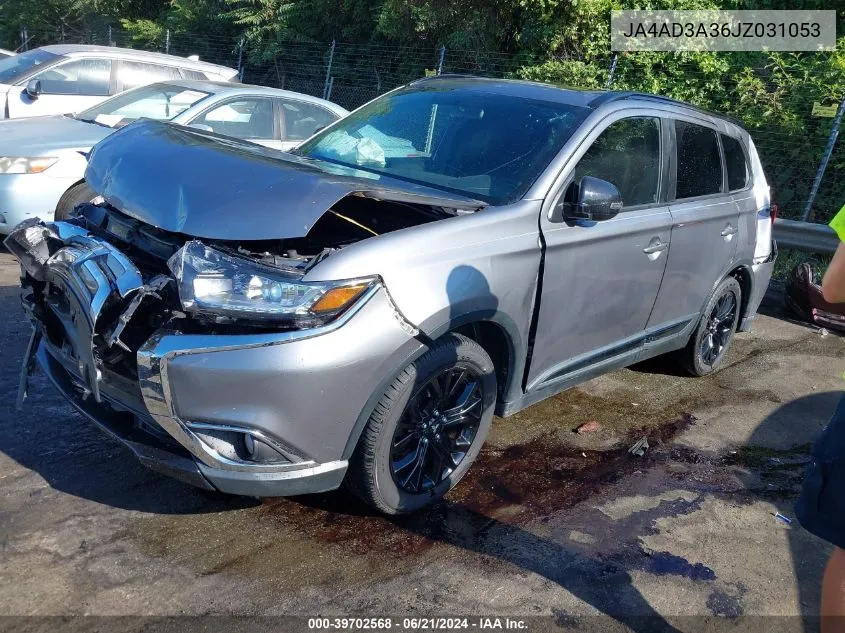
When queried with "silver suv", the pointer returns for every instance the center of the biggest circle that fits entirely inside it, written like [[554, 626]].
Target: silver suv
[[267, 324], [69, 78]]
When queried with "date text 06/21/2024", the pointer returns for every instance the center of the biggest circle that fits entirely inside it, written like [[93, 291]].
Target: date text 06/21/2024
[[421, 623]]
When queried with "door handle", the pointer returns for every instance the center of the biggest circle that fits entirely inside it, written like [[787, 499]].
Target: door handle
[[655, 248], [728, 231]]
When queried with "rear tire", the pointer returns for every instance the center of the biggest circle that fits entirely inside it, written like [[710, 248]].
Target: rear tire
[[714, 334], [415, 446], [77, 194]]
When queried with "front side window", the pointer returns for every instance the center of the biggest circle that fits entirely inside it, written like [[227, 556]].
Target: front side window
[[626, 154], [735, 163], [161, 102], [134, 74], [89, 77], [699, 161], [13, 67], [483, 144], [244, 118], [300, 120]]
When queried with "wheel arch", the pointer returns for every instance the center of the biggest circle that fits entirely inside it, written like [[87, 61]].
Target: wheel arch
[[81, 181], [746, 284], [497, 335]]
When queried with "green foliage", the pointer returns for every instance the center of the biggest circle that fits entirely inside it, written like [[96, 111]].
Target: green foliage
[[144, 33], [564, 42]]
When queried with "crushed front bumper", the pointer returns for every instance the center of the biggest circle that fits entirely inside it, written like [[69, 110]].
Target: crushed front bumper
[[305, 394]]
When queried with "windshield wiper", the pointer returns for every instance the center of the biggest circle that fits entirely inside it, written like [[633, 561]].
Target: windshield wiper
[[94, 121]]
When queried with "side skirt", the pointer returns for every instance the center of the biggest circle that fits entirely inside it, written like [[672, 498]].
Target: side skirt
[[660, 340]]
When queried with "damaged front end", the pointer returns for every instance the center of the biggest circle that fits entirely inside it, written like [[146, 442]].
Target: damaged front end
[[115, 304]]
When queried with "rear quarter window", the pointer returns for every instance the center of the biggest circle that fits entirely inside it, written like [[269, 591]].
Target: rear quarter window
[[736, 163], [699, 161]]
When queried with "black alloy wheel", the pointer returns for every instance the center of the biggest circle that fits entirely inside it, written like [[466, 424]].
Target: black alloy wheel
[[720, 328], [426, 428], [436, 430]]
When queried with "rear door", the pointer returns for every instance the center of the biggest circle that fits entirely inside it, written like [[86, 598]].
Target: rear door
[[600, 279], [67, 87], [705, 223]]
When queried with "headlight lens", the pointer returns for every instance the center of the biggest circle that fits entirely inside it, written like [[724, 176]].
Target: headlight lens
[[224, 286], [19, 165]]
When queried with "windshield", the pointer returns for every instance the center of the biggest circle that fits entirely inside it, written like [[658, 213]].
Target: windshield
[[13, 67], [482, 144], [161, 102]]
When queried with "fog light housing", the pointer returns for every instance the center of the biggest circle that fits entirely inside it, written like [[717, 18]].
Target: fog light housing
[[238, 445]]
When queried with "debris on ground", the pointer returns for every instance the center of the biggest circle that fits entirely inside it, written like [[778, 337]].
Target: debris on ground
[[640, 447], [588, 427], [782, 518], [805, 299]]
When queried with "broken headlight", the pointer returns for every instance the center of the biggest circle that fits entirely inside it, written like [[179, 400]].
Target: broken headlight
[[225, 286]]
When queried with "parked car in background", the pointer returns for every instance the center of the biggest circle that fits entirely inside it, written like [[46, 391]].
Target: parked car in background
[[264, 323], [43, 159], [4, 53], [69, 78]]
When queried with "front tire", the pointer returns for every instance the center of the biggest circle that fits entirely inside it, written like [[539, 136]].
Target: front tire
[[77, 194], [713, 337], [427, 428]]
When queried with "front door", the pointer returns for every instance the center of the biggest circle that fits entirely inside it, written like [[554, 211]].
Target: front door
[[66, 88], [601, 279], [705, 225]]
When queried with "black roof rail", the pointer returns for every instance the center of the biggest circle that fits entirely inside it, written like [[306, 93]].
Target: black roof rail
[[609, 97]]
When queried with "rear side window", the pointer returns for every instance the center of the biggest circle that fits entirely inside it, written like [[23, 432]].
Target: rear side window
[[244, 118], [626, 154], [193, 74], [134, 74], [300, 120], [90, 77], [699, 161], [736, 163]]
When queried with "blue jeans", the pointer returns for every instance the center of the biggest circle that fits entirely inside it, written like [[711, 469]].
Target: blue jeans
[[821, 506]]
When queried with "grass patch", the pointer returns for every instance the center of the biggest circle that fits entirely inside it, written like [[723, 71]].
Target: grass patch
[[789, 258]]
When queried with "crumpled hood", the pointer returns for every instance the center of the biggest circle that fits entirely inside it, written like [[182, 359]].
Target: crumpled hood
[[36, 136], [210, 186]]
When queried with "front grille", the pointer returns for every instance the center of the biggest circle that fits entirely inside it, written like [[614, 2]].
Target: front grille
[[92, 303]]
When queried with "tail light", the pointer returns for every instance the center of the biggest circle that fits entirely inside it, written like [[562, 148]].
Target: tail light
[[773, 212]]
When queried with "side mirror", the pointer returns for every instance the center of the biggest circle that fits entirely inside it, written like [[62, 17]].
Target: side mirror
[[33, 88], [597, 200]]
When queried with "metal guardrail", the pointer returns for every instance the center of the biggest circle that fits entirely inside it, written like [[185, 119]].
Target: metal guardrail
[[805, 236]]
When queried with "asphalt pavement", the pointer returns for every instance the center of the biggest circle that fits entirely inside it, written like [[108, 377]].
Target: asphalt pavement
[[547, 523]]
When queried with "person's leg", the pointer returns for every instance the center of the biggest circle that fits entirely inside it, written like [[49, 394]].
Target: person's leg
[[821, 510], [833, 594]]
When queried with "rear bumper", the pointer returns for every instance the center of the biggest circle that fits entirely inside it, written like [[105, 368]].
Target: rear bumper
[[761, 275]]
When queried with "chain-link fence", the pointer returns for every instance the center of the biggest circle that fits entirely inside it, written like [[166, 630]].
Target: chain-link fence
[[792, 131]]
